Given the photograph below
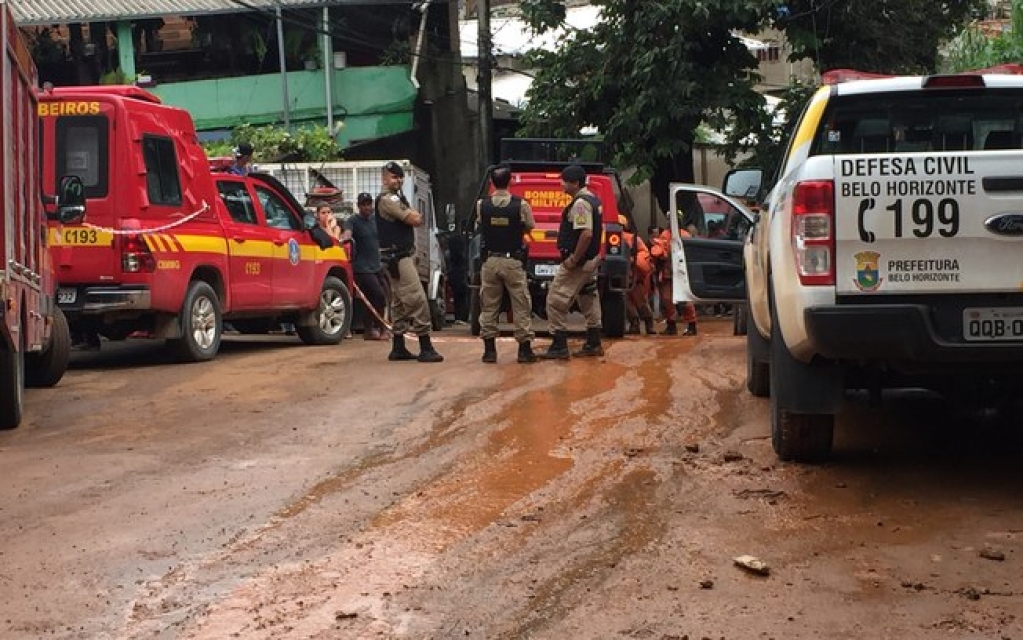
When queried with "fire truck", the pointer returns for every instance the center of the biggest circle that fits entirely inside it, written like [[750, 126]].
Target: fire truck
[[536, 165], [34, 345], [172, 249]]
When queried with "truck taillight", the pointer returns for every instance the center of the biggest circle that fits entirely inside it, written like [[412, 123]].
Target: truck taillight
[[135, 255], [813, 238]]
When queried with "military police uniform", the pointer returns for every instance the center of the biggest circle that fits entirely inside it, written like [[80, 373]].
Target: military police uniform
[[503, 218], [410, 311], [576, 281]]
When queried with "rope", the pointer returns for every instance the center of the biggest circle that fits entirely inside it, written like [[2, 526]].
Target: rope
[[369, 306], [130, 232]]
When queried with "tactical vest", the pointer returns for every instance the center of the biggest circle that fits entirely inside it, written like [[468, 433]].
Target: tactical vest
[[568, 236], [502, 226], [394, 234]]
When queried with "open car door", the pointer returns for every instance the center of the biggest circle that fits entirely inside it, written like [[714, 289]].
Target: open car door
[[708, 266]]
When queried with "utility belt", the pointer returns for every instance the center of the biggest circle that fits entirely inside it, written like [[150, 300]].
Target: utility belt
[[505, 254], [391, 256]]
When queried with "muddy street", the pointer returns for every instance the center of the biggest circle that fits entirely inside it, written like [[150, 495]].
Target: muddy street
[[284, 491]]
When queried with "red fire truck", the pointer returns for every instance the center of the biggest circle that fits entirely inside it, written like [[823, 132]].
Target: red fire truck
[[34, 346]]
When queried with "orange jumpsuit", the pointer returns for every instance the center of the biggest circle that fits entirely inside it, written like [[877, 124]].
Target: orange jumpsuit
[[660, 252], [638, 298]]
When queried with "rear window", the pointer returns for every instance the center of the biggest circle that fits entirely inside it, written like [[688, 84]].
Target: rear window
[[921, 121], [162, 182], [82, 150]]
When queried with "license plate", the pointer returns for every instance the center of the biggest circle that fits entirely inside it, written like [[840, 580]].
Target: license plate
[[79, 237], [992, 324], [66, 296], [545, 270]]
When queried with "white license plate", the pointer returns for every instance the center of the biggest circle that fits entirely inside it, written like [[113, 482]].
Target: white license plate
[[991, 324], [545, 270], [67, 296]]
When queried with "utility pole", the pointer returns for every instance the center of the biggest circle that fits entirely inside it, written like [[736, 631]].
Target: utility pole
[[483, 82], [1017, 20]]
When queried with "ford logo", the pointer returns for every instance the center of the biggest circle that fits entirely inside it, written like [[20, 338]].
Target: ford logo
[[1005, 224]]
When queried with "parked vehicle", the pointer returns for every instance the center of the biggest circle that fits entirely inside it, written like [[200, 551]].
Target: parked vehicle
[[536, 165], [172, 249], [888, 252], [34, 339], [339, 183]]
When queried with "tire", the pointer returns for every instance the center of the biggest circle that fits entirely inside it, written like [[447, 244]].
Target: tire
[[474, 312], [47, 368], [333, 315], [438, 312], [795, 436], [740, 320], [758, 359], [202, 325], [612, 311], [12, 388]]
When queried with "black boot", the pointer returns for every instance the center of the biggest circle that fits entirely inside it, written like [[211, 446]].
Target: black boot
[[649, 326], [592, 346], [526, 354], [690, 329], [398, 349], [426, 351], [559, 347], [671, 329], [489, 350], [633, 329]]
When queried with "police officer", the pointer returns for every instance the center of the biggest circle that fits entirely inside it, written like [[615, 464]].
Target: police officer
[[579, 244], [503, 218], [409, 308]]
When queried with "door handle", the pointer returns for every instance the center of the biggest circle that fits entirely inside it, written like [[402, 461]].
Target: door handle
[[239, 240], [279, 243]]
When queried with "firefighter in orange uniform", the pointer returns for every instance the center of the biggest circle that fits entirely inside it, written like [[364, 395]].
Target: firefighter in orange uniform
[[637, 299], [660, 253]]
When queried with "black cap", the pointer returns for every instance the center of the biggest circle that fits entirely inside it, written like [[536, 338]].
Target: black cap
[[574, 173], [244, 149], [394, 169], [364, 197]]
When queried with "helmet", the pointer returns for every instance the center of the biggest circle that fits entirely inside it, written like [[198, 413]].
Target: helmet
[[574, 173]]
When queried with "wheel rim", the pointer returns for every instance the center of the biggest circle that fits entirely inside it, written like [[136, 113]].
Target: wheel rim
[[332, 312], [204, 323]]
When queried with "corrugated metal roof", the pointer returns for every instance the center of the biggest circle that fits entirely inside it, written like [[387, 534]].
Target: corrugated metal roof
[[43, 12]]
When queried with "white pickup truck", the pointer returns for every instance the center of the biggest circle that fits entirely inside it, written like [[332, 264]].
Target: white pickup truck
[[890, 253]]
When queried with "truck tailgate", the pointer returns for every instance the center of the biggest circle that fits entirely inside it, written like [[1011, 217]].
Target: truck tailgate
[[929, 223]]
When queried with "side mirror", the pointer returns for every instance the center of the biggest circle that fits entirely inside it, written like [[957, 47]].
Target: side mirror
[[70, 200], [743, 183], [309, 221]]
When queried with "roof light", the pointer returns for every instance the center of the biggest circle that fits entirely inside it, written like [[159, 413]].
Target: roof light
[[961, 81]]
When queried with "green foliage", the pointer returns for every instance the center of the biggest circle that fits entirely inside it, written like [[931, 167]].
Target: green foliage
[[873, 35], [647, 76], [276, 144], [972, 49], [115, 76], [398, 53]]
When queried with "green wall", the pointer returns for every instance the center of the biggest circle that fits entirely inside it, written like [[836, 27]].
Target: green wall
[[371, 101]]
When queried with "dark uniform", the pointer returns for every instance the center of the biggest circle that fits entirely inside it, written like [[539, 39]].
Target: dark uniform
[[410, 312], [576, 278], [503, 218]]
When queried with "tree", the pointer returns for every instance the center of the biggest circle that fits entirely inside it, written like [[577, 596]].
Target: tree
[[881, 36], [646, 77]]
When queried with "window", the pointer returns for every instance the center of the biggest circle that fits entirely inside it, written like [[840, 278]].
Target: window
[[239, 204], [82, 150], [278, 213], [162, 182]]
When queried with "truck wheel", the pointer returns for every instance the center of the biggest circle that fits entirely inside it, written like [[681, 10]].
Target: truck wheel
[[474, 312], [438, 311], [758, 354], [795, 436], [201, 324], [739, 320], [47, 368], [12, 387], [333, 316], [612, 311]]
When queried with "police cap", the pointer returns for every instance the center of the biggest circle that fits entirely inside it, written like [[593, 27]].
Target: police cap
[[394, 169], [364, 198], [574, 173]]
